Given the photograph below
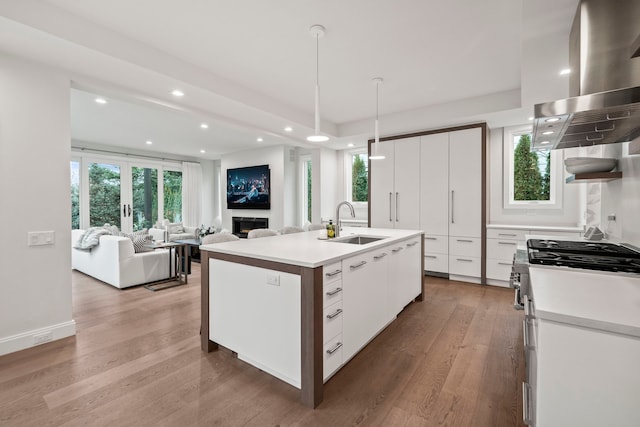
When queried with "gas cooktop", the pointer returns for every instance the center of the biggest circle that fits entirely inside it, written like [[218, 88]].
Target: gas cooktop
[[577, 247], [583, 254]]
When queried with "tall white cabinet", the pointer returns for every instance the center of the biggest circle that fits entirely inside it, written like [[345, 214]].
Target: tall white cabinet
[[438, 181], [395, 202]]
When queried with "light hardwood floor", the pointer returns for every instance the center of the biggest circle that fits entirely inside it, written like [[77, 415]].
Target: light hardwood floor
[[455, 359]]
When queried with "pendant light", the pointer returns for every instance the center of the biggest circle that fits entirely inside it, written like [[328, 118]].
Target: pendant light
[[376, 142], [317, 31]]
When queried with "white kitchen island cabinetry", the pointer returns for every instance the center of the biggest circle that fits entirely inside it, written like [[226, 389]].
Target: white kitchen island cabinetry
[[584, 327], [299, 308]]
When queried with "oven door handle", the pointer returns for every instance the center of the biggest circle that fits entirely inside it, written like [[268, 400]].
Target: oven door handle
[[516, 300]]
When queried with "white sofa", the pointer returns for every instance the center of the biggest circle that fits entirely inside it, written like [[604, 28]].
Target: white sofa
[[115, 262], [187, 232]]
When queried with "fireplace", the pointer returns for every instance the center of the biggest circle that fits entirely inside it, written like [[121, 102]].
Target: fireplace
[[242, 225]]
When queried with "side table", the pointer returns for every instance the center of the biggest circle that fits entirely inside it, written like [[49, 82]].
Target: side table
[[177, 275]]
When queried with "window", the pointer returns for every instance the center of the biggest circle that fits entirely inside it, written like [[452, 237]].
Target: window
[[305, 161], [358, 178], [75, 194], [173, 195], [532, 179]]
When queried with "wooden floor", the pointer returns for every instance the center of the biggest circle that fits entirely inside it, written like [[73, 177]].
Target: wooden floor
[[455, 359]]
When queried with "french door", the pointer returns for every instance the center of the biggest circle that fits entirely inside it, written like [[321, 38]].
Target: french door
[[124, 194]]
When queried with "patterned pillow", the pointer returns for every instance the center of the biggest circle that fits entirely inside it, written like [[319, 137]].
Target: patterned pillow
[[139, 238]]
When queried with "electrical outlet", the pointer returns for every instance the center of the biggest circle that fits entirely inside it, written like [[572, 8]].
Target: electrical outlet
[[611, 217], [273, 279], [42, 338]]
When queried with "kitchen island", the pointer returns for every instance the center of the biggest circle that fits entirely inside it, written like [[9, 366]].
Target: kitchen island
[[298, 307]]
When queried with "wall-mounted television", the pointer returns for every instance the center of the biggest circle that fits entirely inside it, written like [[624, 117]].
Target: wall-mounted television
[[249, 188]]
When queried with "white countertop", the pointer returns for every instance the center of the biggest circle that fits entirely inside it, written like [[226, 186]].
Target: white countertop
[[592, 299], [305, 249], [537, 227]]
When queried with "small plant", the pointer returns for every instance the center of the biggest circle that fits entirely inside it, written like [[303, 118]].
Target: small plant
[[205, 231]]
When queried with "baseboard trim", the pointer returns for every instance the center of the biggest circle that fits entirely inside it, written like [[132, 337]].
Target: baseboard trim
[[26, 340]]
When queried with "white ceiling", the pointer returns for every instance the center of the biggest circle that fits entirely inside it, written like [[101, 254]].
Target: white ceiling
[[248, 67]]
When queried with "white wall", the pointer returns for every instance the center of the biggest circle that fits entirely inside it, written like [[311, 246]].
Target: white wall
[[283, 194], [35, 291], [210, 195], [572, 206], [324, 184], [622, 196]]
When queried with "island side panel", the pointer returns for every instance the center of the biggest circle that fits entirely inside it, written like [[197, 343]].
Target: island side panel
[[421, 296], [205, 343], [312, 337]]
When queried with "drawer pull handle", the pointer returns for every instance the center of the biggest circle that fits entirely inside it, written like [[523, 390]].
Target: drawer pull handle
[[335, 291], [431, 238], [336, 313], [360, 264], [507, 243], [465, 260], [505, 263], [397, 249], [333, 273], [431, 256], [411, 244], [382, 255], [464, 241], [507, 234], [526, 407], [335, 348], [527, 307]]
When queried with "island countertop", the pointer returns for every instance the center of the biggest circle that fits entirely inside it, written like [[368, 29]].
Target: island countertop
[[306, 249]]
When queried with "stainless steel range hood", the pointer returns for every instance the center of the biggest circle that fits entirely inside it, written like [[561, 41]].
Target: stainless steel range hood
[[605, 82]]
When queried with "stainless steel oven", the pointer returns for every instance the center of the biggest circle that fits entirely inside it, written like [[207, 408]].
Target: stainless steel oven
[[519, 280]]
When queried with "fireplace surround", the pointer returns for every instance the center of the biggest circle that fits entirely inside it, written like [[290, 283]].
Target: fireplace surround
[[242, 225]]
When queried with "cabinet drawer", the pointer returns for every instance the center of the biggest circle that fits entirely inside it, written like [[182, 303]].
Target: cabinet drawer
[[499, 233], [436, 262], [498, 269], [331, 293], [464, 265], [467, 246], [437, 244], [332, 272], [332, 318], [502, 249], [332, 359]]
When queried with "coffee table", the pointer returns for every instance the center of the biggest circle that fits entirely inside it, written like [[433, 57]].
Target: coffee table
[[178, 276]]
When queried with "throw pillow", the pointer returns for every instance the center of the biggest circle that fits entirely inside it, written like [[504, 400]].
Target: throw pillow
[[139, 243], [112, 229], [175, 228]]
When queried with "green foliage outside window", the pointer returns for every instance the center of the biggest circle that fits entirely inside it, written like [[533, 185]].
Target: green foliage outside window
[[531, 172], [145, 197], [173, 196], [359, 179], [309, 191], [104, 194]]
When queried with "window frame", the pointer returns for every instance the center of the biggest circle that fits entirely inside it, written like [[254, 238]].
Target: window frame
[[305, 214], [348, 174], [556, 169]]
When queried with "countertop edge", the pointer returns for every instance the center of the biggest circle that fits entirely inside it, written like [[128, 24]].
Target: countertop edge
[[588, 323], [536, 227], [357, 249]]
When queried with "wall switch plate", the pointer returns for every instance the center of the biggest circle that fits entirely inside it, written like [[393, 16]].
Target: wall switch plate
[[273, 279], [39, 238]]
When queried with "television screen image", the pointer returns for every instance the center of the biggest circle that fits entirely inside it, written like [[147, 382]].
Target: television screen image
[[248, 188]]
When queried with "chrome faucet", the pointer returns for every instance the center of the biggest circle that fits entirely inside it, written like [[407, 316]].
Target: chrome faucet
[[338, 224]]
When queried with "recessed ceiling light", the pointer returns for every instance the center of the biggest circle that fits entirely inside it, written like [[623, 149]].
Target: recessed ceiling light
[[351, 144], [101, 100], [177, 93], [549, 132], [149, 142], [565, 71], [552, 119], [259, 139], [288, 129], [544, 142], [530, 118], [204, 126], [202, 151]]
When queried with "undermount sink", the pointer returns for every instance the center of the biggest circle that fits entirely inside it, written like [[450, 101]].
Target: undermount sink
[[358, 239]]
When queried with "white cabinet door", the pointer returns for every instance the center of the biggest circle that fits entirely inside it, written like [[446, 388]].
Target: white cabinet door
[[382, 189], [364, 300], [434, 184], [405, 277], [465, 182], [407, 183]]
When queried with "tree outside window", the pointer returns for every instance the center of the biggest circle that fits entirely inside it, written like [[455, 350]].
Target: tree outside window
[[359, 178], [531, 171]]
